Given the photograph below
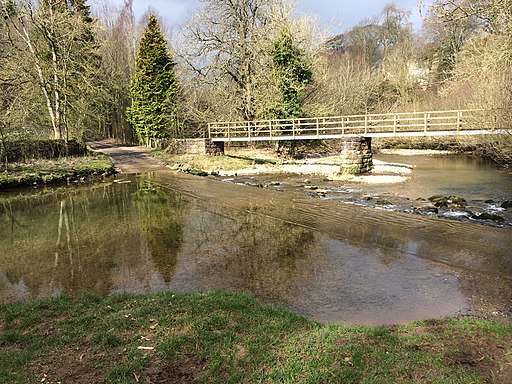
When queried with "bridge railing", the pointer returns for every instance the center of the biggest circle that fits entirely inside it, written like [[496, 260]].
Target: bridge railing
[[386, 124]]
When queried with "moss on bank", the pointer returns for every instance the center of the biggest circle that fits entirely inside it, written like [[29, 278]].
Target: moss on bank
[[67, 169], [231, 338]]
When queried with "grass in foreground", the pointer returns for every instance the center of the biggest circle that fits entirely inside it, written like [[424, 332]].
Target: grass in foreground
[[231, 338], [54, 171]]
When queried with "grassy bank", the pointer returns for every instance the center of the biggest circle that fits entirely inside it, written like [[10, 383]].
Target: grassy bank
[[231, 338], [235, 160], [66, 169]]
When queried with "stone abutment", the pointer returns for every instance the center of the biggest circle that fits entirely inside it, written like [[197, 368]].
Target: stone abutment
[[356, 154], [196, 147]]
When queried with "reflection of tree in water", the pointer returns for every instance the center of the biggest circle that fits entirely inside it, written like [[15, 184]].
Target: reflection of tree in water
[[46, 252], [253, 252], [391, 244], [161, 220], [67, 242], [376, 231]]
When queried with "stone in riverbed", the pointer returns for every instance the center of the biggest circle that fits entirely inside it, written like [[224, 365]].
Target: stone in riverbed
[[196, 172], [507, 204], [457, 201], [488, 216], [443, 201], [426, 211]]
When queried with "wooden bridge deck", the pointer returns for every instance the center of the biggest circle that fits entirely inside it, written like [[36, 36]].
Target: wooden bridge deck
[[434, 123]]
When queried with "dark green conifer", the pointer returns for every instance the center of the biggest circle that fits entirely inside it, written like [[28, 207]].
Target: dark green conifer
[[293, 74], [154, 88]]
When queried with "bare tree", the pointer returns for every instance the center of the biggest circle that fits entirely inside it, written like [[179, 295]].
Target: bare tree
[[444, 40], [228, 47], [344, 84], [363, 42], [55, 37], [497, 14], [482, 75], [118, 35], [370, 69], [395, 26]]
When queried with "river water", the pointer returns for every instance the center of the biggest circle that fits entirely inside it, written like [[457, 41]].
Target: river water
[[478, 182], [330, 261]]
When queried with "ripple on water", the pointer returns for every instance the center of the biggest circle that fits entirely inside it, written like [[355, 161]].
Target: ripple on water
[[329, 261]]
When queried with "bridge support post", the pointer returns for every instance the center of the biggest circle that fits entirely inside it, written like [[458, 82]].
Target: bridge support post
[[356, 155]]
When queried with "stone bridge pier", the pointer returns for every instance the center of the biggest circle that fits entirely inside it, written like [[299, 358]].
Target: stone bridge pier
[[356, 155]]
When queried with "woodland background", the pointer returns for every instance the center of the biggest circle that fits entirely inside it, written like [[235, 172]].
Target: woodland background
[[67, 71]]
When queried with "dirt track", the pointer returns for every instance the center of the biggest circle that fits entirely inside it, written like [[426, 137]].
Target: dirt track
[[129, 159]]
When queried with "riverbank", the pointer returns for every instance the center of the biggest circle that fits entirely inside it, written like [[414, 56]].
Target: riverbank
[[231, 338], [247, 162], [62, 170], [495, 148]]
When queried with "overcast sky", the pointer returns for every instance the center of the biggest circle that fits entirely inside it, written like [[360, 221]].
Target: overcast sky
[[335, 15]]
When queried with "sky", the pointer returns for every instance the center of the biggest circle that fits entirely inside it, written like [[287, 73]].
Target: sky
[[335, 16]]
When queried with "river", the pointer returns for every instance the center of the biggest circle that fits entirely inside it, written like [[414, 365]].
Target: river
[[327, 260]]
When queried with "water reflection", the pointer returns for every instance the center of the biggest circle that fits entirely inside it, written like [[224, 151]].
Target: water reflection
[[225, 249], [161, 218], [325, 260], [473, 178], [64, 243]]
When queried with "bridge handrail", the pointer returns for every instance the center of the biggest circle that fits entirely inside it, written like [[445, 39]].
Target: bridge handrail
[[429, 121], [347, 116]]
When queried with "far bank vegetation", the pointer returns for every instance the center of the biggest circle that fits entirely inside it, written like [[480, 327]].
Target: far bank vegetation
[[69, 71]]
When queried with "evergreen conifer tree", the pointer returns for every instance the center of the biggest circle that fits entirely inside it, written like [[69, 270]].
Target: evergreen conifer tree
[[293, 74], [154, 88]]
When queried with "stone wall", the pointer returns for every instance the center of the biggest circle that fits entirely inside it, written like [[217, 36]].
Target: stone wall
[[195, 147], [356, 155]]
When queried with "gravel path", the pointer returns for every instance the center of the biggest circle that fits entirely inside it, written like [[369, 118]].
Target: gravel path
[[129, 159]]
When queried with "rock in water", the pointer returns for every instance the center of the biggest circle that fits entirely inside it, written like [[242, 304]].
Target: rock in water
[[196, 172], [489, 216], [457, 201], [426, 210]]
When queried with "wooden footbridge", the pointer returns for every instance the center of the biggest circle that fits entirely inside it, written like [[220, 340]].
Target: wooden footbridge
[[434, 123]]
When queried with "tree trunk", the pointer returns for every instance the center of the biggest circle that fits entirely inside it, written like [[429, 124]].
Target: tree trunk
[[42, 84]]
